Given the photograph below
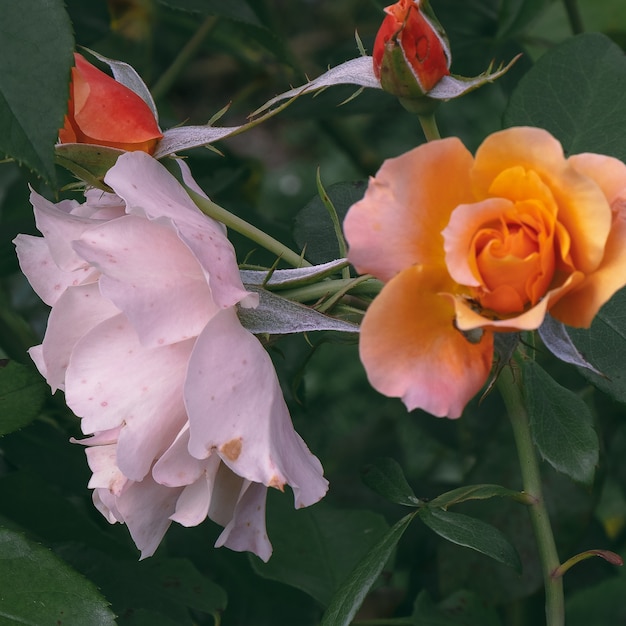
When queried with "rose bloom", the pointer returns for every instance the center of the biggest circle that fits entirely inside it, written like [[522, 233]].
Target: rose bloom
[[182, 404], [491, 242], [104, 112]]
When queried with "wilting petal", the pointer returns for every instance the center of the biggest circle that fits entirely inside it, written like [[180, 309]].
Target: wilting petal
[[583, 209], [113, 380], [106, 473], [150, 190], [246, 531], [151, 276], [411, 349], [407, 204], [241, 415]]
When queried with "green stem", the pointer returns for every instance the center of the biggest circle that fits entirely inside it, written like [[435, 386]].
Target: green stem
[[187, 52], [429, 126], [531, 479], [574, 16], [247, 230]]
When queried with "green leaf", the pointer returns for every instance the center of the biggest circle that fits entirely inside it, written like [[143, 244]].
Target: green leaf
[[350, 595], [604, 345], [22, 394], [472, 492], [316, 548], [471, 533], [313, 229], [515, 15], [601, 604], [561, 425], [386, 478], [577, 91], [38, 588], [462, 608], [36, 45], [181, 582]]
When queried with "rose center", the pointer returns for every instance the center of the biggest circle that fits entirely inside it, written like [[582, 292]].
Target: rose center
[[514, 259]]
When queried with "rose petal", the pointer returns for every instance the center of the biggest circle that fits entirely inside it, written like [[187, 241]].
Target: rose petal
[[176, 467], [150, 275], [579, 306], [145, 508], [583, 209], [246, 531], [113, 380], [410, 348], [406, 206], [150, 190], [241, 414], [60, 227], [77, 311], [106, 473], [193, 504], [44, 275]]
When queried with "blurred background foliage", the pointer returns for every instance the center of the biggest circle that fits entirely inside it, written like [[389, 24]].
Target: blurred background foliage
[[198, 56]]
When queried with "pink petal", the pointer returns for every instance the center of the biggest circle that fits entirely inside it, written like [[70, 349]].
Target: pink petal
[[60, 228], [241, 414], [246, 532], [149, 189], [406, 206], [44, 276], [410, 348], [77, 312], [106, 473], [176, 467], [113, 380], [193, 504], [151, 276], [146, 508]]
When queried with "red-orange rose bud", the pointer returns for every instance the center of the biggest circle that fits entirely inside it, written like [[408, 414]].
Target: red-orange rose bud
[[411, 51], [105, 112]]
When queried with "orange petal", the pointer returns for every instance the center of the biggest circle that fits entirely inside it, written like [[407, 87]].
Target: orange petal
[[465, 221], [407, 204], [411, 349], [109, 113], [582, 207], [579, 307]]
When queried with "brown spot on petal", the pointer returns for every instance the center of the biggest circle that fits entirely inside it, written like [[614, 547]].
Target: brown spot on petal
[[232, 449], [276, 482]]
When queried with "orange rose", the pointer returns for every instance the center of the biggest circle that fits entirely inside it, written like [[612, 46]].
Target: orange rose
[[490, 242], [104, 112]]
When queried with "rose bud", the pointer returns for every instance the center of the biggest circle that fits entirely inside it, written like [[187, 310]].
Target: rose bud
[[105, 112], [411, 51]]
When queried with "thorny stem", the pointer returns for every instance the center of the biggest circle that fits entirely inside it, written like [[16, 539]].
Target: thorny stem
[[509, 386], [247, 230]]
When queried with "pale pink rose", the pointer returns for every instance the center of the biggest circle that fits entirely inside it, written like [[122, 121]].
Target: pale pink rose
[[185, 412]]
